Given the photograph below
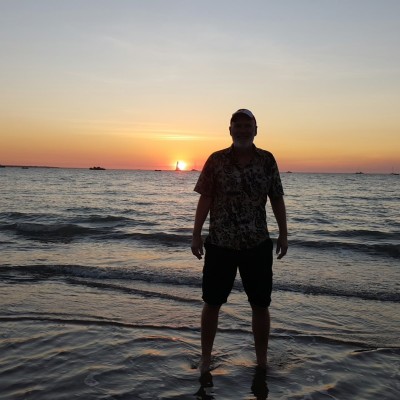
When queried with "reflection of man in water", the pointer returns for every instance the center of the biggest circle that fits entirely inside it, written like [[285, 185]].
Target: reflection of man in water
[[234, 186]]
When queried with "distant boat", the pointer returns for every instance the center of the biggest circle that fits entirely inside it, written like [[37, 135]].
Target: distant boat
[[288, 172], [97, 168], [359, 173]]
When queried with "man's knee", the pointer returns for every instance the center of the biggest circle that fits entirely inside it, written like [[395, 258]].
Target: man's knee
[[259, 310], [207, 307]]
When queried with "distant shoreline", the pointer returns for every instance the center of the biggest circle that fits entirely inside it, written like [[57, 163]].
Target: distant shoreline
[[188, 170], [30, 166]]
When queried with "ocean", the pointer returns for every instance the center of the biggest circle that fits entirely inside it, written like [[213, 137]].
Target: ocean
[[101, 297]]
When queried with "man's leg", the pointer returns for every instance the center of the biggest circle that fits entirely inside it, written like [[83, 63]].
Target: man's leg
[[209, 324], [261, 326], [256, 272]]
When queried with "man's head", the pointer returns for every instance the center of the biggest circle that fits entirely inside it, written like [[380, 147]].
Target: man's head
[[243, 128], [243, 113]]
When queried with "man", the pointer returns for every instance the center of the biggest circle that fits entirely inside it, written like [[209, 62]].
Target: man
[[234, 186]]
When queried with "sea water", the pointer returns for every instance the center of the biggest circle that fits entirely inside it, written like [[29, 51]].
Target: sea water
[[100, 295]]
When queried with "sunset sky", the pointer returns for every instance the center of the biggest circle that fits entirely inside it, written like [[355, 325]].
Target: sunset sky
[[142, 84]]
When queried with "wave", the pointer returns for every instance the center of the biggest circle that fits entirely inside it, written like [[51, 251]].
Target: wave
[[359, 233], [81, 217], [40, 272], [50, 231], [380, 243], [113, 220], [384, 248], [90, 321], [276, 333], [337, 292], [104, 278], [66, 231]]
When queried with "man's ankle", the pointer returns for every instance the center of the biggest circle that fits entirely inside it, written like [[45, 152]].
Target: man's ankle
[[205, 364]]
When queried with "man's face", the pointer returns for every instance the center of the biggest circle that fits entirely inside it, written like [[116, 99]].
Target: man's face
[[243, 131]]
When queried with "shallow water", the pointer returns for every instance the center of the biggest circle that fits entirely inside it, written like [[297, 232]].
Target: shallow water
[[100, 296]]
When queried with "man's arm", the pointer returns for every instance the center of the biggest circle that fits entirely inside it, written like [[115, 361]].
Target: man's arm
[[203, 207], [279, 209]]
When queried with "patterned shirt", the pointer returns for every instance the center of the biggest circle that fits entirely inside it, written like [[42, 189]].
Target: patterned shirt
[[239, 195]]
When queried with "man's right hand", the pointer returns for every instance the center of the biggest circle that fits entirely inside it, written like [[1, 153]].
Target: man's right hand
[[197, 246]]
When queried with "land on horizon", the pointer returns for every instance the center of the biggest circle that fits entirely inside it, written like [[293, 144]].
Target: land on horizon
[[22, 166]]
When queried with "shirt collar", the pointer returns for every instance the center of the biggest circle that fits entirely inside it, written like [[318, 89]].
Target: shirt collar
[[230, 154], [257, 150]]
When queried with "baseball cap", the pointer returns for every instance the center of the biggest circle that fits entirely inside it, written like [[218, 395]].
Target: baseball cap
[[243, 111]]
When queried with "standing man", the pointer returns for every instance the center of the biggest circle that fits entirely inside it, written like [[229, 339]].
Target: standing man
[[234, 186]]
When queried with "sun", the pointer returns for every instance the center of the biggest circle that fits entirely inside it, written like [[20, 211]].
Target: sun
[[180, 165]]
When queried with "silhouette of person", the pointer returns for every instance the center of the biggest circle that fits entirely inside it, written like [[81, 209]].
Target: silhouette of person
[[234, 187]]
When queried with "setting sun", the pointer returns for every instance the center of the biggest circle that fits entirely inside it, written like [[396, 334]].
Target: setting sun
[[180, 165]]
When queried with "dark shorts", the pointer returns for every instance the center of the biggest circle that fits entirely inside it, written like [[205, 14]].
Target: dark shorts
[[255, 268]]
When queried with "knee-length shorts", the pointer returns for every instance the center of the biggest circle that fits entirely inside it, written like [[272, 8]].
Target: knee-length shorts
[[255, 268]]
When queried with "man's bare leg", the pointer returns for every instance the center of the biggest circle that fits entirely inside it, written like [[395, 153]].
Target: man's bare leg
[[261, 327], [209, 324]]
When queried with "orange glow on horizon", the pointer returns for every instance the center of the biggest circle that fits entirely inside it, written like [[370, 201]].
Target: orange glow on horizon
[[180, 165], [27, 142]]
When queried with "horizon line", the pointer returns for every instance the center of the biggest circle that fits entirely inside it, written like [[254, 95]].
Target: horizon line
[[190, 170]]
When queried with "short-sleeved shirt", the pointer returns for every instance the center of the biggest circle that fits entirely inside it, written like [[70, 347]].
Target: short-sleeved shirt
[[239, 195]]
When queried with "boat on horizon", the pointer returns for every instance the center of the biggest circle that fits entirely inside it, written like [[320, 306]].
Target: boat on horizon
[[97, 168]]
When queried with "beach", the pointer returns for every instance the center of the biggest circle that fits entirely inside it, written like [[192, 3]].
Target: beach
[[101, 297]]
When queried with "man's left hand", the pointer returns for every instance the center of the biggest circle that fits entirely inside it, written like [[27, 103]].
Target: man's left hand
[[281, 246]]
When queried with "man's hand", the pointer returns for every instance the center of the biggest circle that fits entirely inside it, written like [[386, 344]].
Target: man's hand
[[197, 246], [281, 246]]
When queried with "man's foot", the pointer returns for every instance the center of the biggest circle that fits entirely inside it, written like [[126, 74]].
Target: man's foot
[[206, 379], [206, 388], [259, 386]]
